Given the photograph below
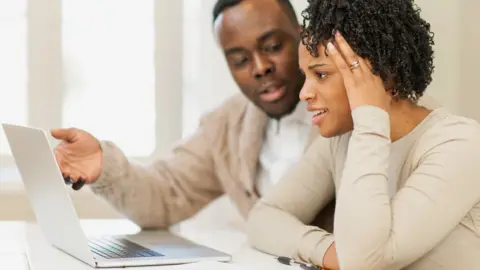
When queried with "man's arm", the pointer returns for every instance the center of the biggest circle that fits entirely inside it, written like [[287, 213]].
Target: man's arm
[[167, 191], [276, 225]]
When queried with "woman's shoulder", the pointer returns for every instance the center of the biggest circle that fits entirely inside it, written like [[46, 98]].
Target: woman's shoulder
[[447, 129], [450, 125]]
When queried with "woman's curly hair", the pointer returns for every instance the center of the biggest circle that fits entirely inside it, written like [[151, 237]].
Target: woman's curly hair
[[389, 33]]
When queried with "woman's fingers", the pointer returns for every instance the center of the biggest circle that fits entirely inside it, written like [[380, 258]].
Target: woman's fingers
[[356, 64], [345, 50], [342, 65], [362, 86]]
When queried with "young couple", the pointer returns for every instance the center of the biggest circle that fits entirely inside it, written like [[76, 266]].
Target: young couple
[[403, 176]]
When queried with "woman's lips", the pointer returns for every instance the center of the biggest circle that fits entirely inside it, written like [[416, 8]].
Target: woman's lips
[[318, 116]]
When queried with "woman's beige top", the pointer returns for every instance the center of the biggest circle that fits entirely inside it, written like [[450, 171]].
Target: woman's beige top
[[411, 204]]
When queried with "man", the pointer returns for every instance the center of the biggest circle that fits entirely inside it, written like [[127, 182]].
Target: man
[[241, 148]]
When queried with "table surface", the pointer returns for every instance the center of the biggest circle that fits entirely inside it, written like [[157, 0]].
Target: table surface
[[23, 245]]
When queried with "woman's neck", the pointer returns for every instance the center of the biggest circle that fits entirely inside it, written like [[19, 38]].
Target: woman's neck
[[404, 117]]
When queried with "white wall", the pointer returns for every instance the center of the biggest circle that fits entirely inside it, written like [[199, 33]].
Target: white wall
[[444, 19], [457, 41], [456, 52], [469, 58], [44, 88]]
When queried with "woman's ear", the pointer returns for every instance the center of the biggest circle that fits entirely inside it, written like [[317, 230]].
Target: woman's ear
[[389, 84], [390, 92], [300, 28]]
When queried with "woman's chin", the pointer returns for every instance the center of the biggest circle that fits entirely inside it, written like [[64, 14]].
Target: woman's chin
[[326, 132], [332, 131]]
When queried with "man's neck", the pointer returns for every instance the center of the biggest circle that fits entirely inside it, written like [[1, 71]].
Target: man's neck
[[287, 113], [297, 112]]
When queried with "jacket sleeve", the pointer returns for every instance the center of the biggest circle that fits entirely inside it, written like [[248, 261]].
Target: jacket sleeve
[[168, 190]]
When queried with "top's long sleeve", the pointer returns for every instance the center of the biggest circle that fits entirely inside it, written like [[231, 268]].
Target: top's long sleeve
[[276, 224], [373, 231]]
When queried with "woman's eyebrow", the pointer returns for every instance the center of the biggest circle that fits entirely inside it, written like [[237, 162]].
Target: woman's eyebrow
[[312, 66]]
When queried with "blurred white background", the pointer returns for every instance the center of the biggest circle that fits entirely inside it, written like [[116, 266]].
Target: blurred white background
[[142, 72]]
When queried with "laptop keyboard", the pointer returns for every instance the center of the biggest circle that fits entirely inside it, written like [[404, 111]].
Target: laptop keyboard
[[114, 248]]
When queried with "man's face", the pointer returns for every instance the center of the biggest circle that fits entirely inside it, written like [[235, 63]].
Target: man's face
[[260, 42]]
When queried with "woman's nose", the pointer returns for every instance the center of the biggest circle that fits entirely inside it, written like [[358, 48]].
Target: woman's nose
[[307, 92]]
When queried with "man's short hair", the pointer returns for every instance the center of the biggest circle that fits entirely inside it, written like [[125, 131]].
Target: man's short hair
[[221, 5]]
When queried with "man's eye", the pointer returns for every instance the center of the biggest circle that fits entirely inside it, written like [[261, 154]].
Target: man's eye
[[274, 48], [237, 62]]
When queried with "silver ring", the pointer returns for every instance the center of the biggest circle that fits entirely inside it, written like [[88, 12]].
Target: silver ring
[[355, 65]]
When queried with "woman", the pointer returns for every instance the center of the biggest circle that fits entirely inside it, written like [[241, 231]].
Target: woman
[[405, 178]]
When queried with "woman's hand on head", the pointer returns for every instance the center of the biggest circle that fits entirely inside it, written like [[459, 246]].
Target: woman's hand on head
[[362, 86]]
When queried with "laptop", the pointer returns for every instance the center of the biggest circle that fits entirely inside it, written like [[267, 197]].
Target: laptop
[[58, 220]]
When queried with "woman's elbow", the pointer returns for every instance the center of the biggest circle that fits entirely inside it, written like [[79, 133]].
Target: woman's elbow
[[361, 261], [353, 263], [272, 230], [256, 225], [262, 230]]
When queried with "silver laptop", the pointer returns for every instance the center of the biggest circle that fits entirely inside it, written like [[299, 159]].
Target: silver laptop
[[59, 222]]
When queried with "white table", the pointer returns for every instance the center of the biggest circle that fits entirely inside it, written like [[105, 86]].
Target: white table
[[23, 245]]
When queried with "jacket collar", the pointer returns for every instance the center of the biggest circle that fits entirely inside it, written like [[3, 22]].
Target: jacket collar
[[251, 140], [253, 125]]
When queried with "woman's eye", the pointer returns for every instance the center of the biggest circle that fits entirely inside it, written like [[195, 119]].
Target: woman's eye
[[321, 75]]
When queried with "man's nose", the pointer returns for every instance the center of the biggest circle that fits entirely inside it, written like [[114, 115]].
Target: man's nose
[[262, 66]]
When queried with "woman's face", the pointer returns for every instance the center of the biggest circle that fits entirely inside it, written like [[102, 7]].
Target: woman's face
[[325, 93]]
